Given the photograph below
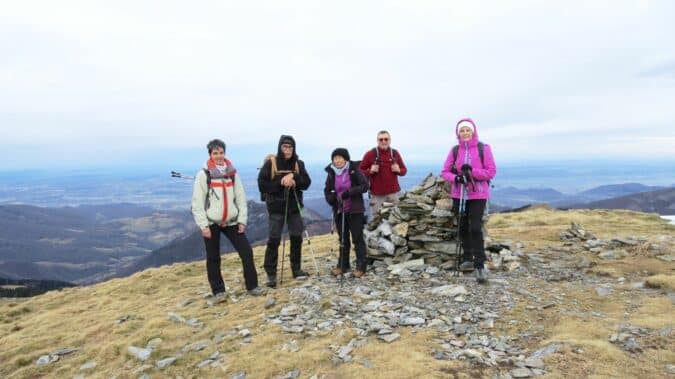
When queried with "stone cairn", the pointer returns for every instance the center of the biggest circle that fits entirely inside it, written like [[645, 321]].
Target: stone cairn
[[420, 226]]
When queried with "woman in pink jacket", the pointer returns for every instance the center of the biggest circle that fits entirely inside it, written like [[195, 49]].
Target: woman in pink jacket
[[469, 168]]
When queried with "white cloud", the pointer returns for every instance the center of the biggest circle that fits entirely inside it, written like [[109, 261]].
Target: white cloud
[[169, 75]]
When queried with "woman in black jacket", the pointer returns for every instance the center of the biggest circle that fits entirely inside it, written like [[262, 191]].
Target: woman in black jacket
[[344, 189]]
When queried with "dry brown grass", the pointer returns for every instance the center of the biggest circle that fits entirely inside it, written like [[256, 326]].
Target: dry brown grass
[[85, 317], [662, 281], [540, 227]]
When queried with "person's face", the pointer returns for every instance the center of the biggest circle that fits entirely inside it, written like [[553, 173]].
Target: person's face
[[465, 133], [217, 155], [383, 141], [339, 161], [287, 150]]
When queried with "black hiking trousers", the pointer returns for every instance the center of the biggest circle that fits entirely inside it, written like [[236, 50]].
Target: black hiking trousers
[[354, 227], [243, 248], [471, 231], [276, 227]]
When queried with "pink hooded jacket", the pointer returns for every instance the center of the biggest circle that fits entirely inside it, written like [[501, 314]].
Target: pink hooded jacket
[[481, 173]]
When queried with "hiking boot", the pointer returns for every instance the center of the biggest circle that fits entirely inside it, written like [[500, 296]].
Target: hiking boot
[[359, 273], [271, 281], [300, 275], [336, 271], [257, 291], [217, 299], [481, 275], [466, 266]]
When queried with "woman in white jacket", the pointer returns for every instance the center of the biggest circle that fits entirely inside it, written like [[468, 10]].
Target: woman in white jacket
[[219, 206]]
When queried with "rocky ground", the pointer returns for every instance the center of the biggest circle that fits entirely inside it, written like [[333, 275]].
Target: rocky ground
[[568, 305]]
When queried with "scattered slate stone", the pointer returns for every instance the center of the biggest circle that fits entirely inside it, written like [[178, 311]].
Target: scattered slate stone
[[143, 368], [604, 291], [270, 302], [546, 351], [46, 359], [535, 363], [88, 366], [449, 290], [238, 375], [193, 322], [154, 343], [165, 362], [197, 346], [290, 346], [290, 375], [389, 338], [176, 318], [139, 353], [204, 363], [413, 321], [521, 373]]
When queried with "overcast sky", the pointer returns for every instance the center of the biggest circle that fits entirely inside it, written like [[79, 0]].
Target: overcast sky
[[113, 82]]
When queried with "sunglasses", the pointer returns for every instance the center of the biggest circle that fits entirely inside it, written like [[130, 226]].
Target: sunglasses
[[383, 139]]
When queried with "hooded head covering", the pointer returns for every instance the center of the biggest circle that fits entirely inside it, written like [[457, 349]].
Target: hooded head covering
[[341, 151], [469, 123], [286, 139]]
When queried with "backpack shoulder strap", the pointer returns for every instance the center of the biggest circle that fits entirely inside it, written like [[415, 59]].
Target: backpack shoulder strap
[[480, 152], [273, 165], [455, 151], [208, 177]]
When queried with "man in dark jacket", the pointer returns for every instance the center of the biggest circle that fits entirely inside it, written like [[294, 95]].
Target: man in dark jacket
[[344, 189], [382, 166], [281, 181]]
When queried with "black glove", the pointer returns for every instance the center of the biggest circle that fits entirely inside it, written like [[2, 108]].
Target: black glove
[[466, 168], [345, 195], [459, 179]]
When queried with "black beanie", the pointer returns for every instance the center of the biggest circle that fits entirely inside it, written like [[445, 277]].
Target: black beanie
[[341, 151]]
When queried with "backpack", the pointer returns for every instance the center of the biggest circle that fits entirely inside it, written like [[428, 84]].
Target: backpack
[[207, 202], [455, 152], [393, 152], [274, 171]]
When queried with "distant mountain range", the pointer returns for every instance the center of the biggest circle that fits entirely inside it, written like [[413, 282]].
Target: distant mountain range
[[88, 244], [91, 243], [511, 197], [661, 202], [191, 247], [76, 244]]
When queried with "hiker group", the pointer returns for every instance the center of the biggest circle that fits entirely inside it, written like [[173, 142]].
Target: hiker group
[[219, 203]]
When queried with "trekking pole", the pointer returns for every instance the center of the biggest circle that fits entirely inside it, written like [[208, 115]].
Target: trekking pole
[[460, 209], [283, 246], [309, 241], [176, 174], [342, 245]]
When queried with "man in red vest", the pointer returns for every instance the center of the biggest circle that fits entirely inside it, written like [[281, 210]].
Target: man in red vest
[[383, 165]]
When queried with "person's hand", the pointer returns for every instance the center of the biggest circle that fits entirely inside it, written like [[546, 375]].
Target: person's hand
[[374, 168], [395, 168], [459, 179], [345, 195], [241, 228], [287, 181], [206, 233]]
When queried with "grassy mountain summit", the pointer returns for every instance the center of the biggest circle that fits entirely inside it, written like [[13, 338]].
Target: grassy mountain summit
[[586, 308]]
